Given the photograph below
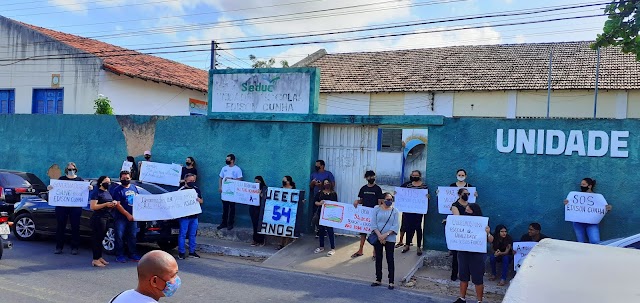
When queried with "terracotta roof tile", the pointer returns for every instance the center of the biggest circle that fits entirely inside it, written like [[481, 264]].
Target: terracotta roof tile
[[132, 63], [484, 67]]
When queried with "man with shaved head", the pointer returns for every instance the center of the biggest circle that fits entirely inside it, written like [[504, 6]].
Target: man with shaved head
[[157, 277]]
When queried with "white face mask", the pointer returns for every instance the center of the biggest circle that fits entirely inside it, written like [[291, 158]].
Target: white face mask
[[461, 178]]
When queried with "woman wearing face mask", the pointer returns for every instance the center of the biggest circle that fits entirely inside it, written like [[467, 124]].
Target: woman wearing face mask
[[71, 213], [189, 168], [326, 194], [287, 182], [385, 225], [254, 212], [135, 173], [101, 203], [412, 223], [501, 247], [587, 233]]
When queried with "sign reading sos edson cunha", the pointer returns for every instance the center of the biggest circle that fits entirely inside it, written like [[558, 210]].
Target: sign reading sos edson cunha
[[288, 91]]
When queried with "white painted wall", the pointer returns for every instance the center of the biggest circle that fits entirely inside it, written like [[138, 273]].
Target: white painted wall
[[132, 96], [346, 104]]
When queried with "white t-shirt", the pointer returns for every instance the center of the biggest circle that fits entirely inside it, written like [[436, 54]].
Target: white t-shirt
[[233, 172], [132, 296]]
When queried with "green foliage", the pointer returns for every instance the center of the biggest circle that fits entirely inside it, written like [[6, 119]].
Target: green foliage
[[622, 27], [266, 64], [103, 105]]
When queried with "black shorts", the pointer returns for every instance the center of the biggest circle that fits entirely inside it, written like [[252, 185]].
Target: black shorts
[[471, 265]]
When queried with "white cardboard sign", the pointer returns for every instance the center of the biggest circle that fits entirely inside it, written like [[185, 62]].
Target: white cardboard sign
[[126, 166], [521, 250], [585, 207], [161, 173], [467, 233], [412, 200], [345, 216], [166, 206], [69, 193], [449, 195], [241, 192]]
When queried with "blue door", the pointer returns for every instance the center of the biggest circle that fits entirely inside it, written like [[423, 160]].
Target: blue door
[[7, 101], [47, 101]]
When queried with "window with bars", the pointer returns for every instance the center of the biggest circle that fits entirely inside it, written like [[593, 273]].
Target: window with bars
[[390, 140], [48, 101], [7, 101]]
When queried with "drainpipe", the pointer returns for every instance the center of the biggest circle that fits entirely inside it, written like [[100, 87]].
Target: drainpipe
[[595, 101], [549, 82]]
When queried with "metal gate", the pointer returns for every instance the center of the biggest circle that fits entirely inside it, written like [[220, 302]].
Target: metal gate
[[348, 151]]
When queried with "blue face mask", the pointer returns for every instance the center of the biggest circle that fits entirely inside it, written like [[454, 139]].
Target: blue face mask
[[171, 288], [388, 203]]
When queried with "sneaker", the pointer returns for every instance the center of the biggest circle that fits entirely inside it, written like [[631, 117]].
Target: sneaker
[[181, 256], [121, 259], [460, 300], [221, 226], [58, 251], [134, 258], [74, 251], [194, 255]]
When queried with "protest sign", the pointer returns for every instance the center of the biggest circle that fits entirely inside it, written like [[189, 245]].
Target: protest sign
[[449, 195], [281, 211], [241, 192], [521, 250], [411, 200], [69, 193], [467, 233], [126, 166], [345, 216], [161, 173], [585, 207], [166, 206]]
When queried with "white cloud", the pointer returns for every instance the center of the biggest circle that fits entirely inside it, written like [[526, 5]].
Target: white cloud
[[76, 6]]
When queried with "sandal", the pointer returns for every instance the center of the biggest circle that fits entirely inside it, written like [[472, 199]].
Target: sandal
[[400, 244], [376, 283], [331, 253], [405, 249], [318, 250], [391, 287], [419, 251], [492, 278], [502, 283], [356, 255], [373, 258]]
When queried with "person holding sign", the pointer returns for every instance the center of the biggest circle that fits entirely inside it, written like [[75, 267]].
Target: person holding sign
[[370, 195], [190, 168], [326, 194], [471, 264], [501, 248], [254, 212], [533, 234], [585, 232], [125, 226], [135, 172], [71, 213], [101, 203], [287, 182], [385, 225], [412, 223], [147, 157], [189, 224], [230, 171]]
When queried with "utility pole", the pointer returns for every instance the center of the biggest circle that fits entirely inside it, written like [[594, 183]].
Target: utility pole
[[213, 54]]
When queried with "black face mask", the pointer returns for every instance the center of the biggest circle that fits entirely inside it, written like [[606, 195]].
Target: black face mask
[[327, 186], [191, 184], [317, 168], [584, 188], [188, 163], [105, 185], [371, 181], [414, 179], [465, 197], [284, 183], [228, 162], [147, 157], [125, 182]]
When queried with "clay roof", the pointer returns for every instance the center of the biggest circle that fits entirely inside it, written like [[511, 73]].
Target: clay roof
[[127, 62], [478, 68]]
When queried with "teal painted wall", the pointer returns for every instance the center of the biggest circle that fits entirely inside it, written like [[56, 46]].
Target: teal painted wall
[[98, 146], [516, 189]]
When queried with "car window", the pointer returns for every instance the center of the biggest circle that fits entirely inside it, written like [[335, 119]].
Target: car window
[[635, 245], [34, 180], [13, 181], [143, 191]]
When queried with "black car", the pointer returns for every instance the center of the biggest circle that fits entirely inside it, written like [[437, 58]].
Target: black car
[[17, 184], [34, 216]]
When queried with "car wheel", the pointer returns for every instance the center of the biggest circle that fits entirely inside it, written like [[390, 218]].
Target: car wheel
[[24, 228], [109, 241], [167, 245]]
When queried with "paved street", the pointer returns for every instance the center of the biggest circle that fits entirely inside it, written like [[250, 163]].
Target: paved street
[[31, 273]]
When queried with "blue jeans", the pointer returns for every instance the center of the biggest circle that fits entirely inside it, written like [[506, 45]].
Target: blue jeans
[[506, 261], [188, 227], [585, 231], [125, 230]]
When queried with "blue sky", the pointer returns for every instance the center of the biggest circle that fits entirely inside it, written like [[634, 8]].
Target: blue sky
[[140, 24]]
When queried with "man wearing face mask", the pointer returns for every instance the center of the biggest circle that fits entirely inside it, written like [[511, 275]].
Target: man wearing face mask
[[318, 176], [230, 171], [125, 226], [157, 278], [370, 195], [189, 224]]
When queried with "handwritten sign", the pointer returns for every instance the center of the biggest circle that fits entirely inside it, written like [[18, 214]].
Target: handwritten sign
[[585, 208], [449, 195], [69, 193], [280, 212], [521, 250], [466, 233], [241, 192], [345, 216], [161, 173], [126, 166], [411, 200], [166, 206]]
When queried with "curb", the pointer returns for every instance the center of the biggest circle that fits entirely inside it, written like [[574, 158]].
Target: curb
[[233, 251]]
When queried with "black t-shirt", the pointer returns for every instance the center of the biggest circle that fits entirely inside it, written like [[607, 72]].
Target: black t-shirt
[[199, 196], [321, 195], [527, 238], [461, 208], [501, 244], [67, 178], [186, 171], [103, 196], [370, 195], [410, 185], [456, 185]]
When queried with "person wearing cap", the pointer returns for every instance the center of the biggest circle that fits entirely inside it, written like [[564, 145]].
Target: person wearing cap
[[147, 157]]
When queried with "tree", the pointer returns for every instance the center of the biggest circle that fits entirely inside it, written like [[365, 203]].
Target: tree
[[103, 105], [266, 64], [622, 27]]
